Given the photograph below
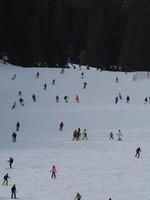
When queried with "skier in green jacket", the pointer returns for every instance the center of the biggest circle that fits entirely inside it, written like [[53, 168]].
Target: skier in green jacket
[[84, 134], [78, 196]]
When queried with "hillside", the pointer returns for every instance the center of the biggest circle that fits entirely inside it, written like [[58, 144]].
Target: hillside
[[98, 168]]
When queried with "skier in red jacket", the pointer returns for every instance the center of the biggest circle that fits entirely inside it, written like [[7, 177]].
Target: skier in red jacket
[[77, 99]]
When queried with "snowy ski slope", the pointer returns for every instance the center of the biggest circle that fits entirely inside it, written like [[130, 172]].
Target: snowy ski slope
[[97, 168]]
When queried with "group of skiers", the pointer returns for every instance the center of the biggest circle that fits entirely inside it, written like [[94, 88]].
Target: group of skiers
[[14, 134], [119, 138], [6, 177], [66, 99], [119, 135], [34, 98], [77, 134], [119, 97]]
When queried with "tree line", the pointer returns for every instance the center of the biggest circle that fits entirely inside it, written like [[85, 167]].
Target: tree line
[[89, 32]]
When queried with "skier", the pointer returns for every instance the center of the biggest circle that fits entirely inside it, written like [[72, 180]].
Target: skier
[[10, 161], [128, 99], [20, 93], [146, 100], [53, 82], [57, 99], [21, 101], [117, 79], [61, 126], [78, 196], [116, 99], [45, 86], [82, 75], [84, 85], [74, 134], [111, 136], [6, 177], [17, 126], [14, 135], [84, 134], [62, 70], [138, 151], [14, 77], [53, 171], [13, 192], [34, 97], [149, 99], [77, 99], [14, 105], [66, 99], [78, 134], [119, 135], [120, 96], [37, 75]]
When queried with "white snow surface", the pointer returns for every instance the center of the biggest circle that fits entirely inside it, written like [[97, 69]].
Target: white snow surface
[[97, 168]]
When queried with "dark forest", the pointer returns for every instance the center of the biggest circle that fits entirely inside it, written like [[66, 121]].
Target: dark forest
[[89, 32]]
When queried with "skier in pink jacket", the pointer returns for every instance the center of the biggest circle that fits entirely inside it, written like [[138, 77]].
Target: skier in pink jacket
[[53, 171]]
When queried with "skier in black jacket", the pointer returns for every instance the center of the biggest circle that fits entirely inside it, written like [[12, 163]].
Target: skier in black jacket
[[138, 151], [6, 177], [13, 192], [10, 162]]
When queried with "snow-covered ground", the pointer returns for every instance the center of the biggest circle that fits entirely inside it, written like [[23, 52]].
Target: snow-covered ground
[[97, 168]]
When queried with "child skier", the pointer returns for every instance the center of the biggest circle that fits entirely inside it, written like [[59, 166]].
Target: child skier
[[53, 171]]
